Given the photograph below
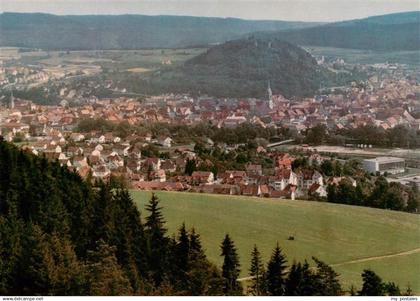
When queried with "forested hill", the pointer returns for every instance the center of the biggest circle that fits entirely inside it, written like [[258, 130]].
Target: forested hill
[[386, 33], [61, 236], [242, 68], [87, 32]]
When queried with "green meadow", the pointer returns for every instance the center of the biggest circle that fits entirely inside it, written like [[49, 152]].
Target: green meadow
[[350, 238]]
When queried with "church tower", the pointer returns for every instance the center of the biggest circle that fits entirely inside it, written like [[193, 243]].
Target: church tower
[[12, 101], [270, 97]]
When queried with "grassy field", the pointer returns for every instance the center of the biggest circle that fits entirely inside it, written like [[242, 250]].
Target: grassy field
[[337, 234]]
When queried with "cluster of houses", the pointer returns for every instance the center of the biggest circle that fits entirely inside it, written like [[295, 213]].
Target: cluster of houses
[[282, 183], [99, 156], [385, 101]]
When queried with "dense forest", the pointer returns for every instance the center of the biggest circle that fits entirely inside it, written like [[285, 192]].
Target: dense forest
[[392, 32], [93, 32], [63, 236], [243, 68], [389, 32]]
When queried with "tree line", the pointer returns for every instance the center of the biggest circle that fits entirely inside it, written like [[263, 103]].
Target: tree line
[[398, 136], [62, 236]]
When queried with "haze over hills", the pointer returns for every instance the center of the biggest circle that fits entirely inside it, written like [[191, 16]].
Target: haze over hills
[[242, 68], [45, 31], [386, 33]]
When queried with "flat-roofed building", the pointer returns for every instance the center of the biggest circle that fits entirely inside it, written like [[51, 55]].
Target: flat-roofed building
[[391, 165]]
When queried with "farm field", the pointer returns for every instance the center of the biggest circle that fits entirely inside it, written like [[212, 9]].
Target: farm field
[[348, 237]]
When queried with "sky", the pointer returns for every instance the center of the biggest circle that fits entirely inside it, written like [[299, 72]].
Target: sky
[[289, 10]]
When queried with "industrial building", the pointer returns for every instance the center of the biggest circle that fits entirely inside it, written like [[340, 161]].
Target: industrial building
[[390, 165]]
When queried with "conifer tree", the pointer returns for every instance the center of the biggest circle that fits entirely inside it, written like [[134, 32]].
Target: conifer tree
[[276, 271], [105, 276], [301, 281], [257, 272], [129, 238], [231, 267], [195, 245], [329, 283], [32, 274], [182, 249], [157, 242], [372, 284], [203, 277], [181, 259], [294, 279]]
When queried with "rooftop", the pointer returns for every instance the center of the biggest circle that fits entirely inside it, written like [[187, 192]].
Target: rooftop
[[385, 159]]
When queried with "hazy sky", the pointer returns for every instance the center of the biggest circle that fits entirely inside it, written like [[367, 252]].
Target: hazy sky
[[299, 10]]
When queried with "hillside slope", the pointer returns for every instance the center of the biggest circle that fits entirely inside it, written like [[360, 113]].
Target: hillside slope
[[87, 32], [242, 68], [385, 33], [338, 234]]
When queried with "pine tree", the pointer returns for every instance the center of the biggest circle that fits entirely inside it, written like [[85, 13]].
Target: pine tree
[[203, 278], [157, 242], [372, 284], [181, 259], [329, 283], [301, 281], [294, 279], [105, 276], [276, 271], [231, 267], [182, 249], [129, 238], [257, 272], [66, 274], [195, 245], [11, 229], [32, 274]]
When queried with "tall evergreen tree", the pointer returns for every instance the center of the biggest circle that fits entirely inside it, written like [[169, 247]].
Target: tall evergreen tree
[[302, 281], [372, 284], [257, 272], [129, 238], [181, 259], [294, 280], [105, 276], [157, 242], [33, 278], [329, 283], [231, 267], [276, 271]]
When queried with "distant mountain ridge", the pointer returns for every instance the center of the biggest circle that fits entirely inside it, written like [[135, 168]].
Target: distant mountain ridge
[[392, 32], [45, 31]]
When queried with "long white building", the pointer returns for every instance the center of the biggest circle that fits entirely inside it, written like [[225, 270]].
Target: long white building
[[390, 165]]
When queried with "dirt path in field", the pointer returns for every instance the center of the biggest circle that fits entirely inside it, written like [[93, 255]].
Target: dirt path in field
[[360, 260], [378, 257]]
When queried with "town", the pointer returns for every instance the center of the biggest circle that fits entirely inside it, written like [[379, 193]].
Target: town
[[100, 138], [209, 148]]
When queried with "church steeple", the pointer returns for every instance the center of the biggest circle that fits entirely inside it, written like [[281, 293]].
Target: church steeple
[[270, 97], [12, 100]]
